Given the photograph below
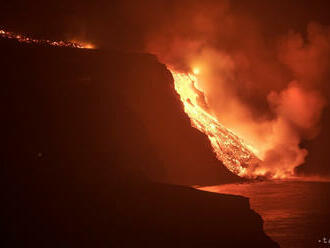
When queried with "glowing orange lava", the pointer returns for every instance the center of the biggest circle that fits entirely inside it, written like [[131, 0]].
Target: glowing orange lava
[[25, 39], [235, 154]]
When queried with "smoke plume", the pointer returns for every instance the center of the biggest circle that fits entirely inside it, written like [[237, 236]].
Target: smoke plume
[[269, 91]]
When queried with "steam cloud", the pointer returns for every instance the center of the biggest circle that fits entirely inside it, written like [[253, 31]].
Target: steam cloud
[[271, 92]]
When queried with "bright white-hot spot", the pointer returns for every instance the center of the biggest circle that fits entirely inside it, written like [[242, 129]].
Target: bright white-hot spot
[[196, 70]]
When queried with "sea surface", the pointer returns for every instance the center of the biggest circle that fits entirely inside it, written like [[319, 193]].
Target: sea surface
[[296, 213]]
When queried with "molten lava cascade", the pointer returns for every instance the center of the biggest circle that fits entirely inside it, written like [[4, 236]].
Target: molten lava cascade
[[236, 155], [25, 39]]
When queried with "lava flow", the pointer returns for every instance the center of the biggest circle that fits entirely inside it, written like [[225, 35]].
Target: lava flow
[[235, 154], [25, 39]]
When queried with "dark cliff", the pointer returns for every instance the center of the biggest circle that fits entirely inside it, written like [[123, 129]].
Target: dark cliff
[[115, 100], [84, 134]]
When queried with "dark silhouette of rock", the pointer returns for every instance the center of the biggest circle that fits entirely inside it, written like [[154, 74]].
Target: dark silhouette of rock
[[76, 103]]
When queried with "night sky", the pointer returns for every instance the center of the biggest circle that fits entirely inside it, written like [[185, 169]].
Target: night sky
[[125, 24]]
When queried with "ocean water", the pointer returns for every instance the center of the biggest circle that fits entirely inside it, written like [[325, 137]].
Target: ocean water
[[296, 214]]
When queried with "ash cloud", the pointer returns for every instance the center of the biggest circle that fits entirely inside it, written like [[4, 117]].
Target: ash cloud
[[268, 90]]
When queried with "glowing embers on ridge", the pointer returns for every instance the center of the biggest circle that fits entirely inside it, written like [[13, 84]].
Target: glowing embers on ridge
[[25, 39], [229, 148]]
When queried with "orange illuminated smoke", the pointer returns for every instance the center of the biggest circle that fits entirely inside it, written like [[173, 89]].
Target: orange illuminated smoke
[[25, 39], [235, 154]]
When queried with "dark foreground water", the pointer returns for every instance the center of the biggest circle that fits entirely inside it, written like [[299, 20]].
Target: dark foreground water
[[296, 213]]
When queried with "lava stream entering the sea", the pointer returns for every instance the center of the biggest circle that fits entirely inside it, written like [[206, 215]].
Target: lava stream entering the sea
[[235, 154]]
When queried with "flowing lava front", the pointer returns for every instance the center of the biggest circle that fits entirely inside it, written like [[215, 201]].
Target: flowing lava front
[[235, 154], [25, 39]]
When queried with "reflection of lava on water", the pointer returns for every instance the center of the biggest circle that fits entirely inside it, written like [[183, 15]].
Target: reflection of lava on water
[[294, 211], [236, 155], [25, 39]]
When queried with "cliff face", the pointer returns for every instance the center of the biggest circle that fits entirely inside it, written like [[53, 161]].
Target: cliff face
[[103, 107], [82, 130]]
